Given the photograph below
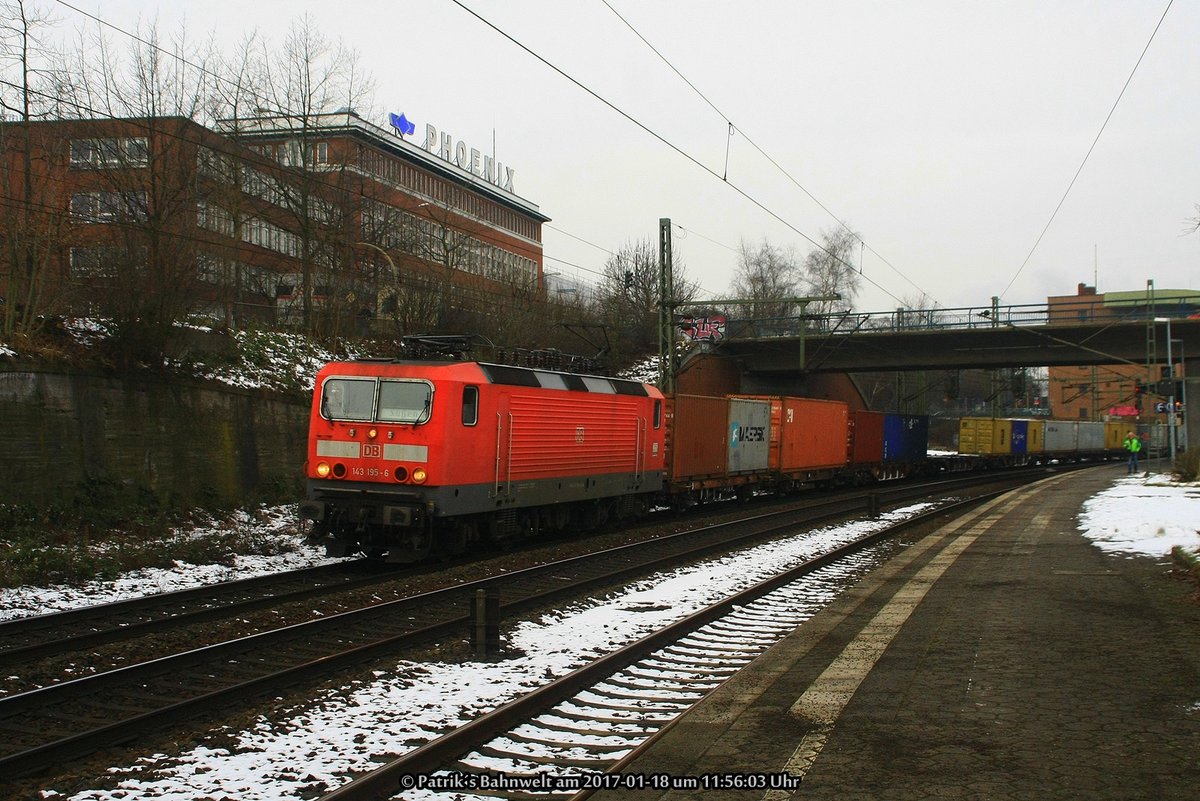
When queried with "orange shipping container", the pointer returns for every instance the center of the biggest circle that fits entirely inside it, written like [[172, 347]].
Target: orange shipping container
[[698, 444], [815, 434], [807, 434]]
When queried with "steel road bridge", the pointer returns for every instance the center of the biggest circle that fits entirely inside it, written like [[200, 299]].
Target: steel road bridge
[[1083, 333]]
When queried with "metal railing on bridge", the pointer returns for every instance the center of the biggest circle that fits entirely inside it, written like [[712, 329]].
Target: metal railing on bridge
[[1074, 312]]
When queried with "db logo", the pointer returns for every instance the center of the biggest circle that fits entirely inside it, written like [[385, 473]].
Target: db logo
[[579, 433], [369, 450]]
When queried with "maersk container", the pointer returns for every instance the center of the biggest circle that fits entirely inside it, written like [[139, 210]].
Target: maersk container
[[1062, 436], [748, 435], [905, 437], [775, 435], [1091, 436], [699, 441]]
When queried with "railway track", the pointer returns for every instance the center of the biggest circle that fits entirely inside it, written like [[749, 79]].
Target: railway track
[[568, 737], [26, 640], [49, 726], [39, 636]]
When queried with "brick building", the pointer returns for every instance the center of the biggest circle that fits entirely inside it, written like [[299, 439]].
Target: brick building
[[1111, 391], [324, 220]]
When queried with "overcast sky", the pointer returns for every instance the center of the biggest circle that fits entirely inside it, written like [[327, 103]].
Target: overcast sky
[[945, 133]]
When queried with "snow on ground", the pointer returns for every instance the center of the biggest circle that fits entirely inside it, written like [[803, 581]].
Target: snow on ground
[[276, 523], [316, 747], [1144, 515]]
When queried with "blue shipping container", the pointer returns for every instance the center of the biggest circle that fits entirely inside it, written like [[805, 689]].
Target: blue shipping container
[[1020, 436], [905, 437]]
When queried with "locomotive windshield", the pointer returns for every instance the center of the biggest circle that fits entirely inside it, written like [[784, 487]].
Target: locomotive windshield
[[368, 400], [348, 399], [404, 401]]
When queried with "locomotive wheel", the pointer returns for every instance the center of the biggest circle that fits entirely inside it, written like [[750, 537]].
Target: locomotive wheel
[[556, 518], [456, 537], [590, 515]]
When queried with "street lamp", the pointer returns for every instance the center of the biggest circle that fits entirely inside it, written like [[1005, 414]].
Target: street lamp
[[1171, 397], [395, 274], [386, 255]]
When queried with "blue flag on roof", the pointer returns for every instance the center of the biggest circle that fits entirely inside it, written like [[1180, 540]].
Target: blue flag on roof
[[401, 124]]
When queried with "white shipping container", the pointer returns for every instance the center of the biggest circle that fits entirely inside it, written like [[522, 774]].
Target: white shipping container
[[1062, 436], [1091, 436]]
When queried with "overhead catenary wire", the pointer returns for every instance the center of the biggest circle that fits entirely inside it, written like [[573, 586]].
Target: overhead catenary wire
[[669, 144], [1088, 155], [733, 128]]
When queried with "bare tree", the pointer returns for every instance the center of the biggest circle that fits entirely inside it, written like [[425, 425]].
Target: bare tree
[[766, 274], [628, 297], [829, 270], [308, 78], [133, 214], [30, 226], [238, 287]]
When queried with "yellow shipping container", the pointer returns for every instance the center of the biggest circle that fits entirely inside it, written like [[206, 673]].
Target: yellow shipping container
[[1114, 435], [984, 435], [970, 429], [1036, 440]]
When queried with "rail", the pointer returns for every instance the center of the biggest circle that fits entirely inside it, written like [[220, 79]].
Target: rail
[[444, 752]]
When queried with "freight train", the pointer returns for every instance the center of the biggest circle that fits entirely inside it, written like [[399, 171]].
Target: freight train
[[407, 459]]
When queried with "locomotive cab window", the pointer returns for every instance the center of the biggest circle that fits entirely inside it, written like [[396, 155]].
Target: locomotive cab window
[[470, 409], [657, 414], [404, 401], [348, 398]]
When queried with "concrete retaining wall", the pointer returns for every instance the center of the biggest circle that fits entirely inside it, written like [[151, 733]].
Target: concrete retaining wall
[[188, 442]]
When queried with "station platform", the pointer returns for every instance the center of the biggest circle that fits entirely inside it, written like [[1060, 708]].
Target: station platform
[[1002, 656]]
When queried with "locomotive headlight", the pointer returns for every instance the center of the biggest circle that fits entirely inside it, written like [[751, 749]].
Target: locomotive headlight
[[372, 433], [323, 469], [418, 475]]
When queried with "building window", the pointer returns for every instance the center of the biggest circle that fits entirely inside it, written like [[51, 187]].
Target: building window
[[131, 151], [262, 233], [101, 207], [214, 218], [97, 262], [213, 270]]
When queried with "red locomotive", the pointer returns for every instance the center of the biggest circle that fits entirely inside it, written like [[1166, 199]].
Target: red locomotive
[[411, 458]]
